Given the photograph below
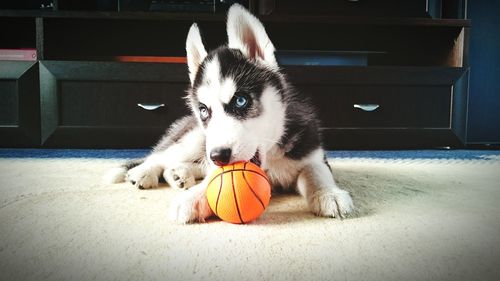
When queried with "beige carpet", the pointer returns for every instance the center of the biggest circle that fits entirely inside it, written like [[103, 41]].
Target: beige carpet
[[418, 220]]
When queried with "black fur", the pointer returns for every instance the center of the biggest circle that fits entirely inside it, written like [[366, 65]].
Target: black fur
[[249, 77], [173, 135], [133, 163], [302, 135], [250, 110]]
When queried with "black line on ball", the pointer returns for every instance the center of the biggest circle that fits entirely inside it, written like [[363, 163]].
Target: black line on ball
[[249, 186], [218, 195], [236, 170], [235, 199]]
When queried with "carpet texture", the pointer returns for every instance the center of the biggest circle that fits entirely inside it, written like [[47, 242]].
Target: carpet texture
[[417, 219]]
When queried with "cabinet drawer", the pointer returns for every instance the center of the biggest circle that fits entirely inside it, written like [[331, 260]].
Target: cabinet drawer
[[382, 106], [387, 107], [107, 104], [19, 104], [118, 104], [380, 8]]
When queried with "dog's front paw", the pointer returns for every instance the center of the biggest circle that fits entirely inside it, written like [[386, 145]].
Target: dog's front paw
[[331, 203], [190, 207], [180, 177], [143, 176]]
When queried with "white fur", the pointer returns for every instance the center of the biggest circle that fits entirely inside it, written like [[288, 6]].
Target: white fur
[[246, 33], [213, 91], [195, 51], [269, 127], [182, 175], [115, 175], [146, 175], [282, 171], [177, 158], [227, 90], [313, 179], [224, 131], [246, 137], [191, 205], [315, 182]]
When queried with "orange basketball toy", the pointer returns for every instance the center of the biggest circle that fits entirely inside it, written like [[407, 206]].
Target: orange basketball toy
[[239, 192]]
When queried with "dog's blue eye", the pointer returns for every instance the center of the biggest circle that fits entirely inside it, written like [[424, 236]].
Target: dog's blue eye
[[204, 113], [241, 101]]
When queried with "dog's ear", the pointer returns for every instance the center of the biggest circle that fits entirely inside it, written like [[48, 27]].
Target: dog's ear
[[195, 51], [246, 33]]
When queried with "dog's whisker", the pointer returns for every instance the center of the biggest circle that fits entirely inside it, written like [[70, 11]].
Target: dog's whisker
[[271, 141]]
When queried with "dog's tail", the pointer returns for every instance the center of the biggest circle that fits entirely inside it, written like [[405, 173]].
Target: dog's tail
[[118, 174]]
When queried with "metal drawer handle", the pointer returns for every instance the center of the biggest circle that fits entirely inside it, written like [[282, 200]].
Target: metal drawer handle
[[150, 106], [366, 107]]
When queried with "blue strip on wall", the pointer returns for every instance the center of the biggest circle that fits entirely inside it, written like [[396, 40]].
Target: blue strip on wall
[[139, 153]]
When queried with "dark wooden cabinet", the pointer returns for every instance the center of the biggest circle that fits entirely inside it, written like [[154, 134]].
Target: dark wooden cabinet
[[109, 104], [416, 76], [379, 8], [356, 8], [19, 104], [387, 107]]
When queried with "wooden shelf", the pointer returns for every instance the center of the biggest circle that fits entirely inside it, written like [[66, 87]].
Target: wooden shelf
[[390, 21], [86, 99], [113, 15]]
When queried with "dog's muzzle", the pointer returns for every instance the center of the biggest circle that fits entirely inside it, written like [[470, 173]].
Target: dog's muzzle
[[222, 156]]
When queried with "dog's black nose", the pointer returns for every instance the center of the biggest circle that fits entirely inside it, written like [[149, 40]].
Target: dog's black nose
[[220, 156]]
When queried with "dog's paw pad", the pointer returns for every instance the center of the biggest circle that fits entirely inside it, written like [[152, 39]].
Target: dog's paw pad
[[182, 212], [179, 177], [142, 177], [332, 203], [190, 206]]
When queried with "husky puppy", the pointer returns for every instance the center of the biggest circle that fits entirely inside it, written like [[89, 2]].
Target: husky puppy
[[243, 108]]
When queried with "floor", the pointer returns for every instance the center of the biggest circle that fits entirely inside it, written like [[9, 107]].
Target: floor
[[421, 215]]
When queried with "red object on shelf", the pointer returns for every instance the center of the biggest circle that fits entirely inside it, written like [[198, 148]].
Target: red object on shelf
[[18, 54], [151, 59]]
